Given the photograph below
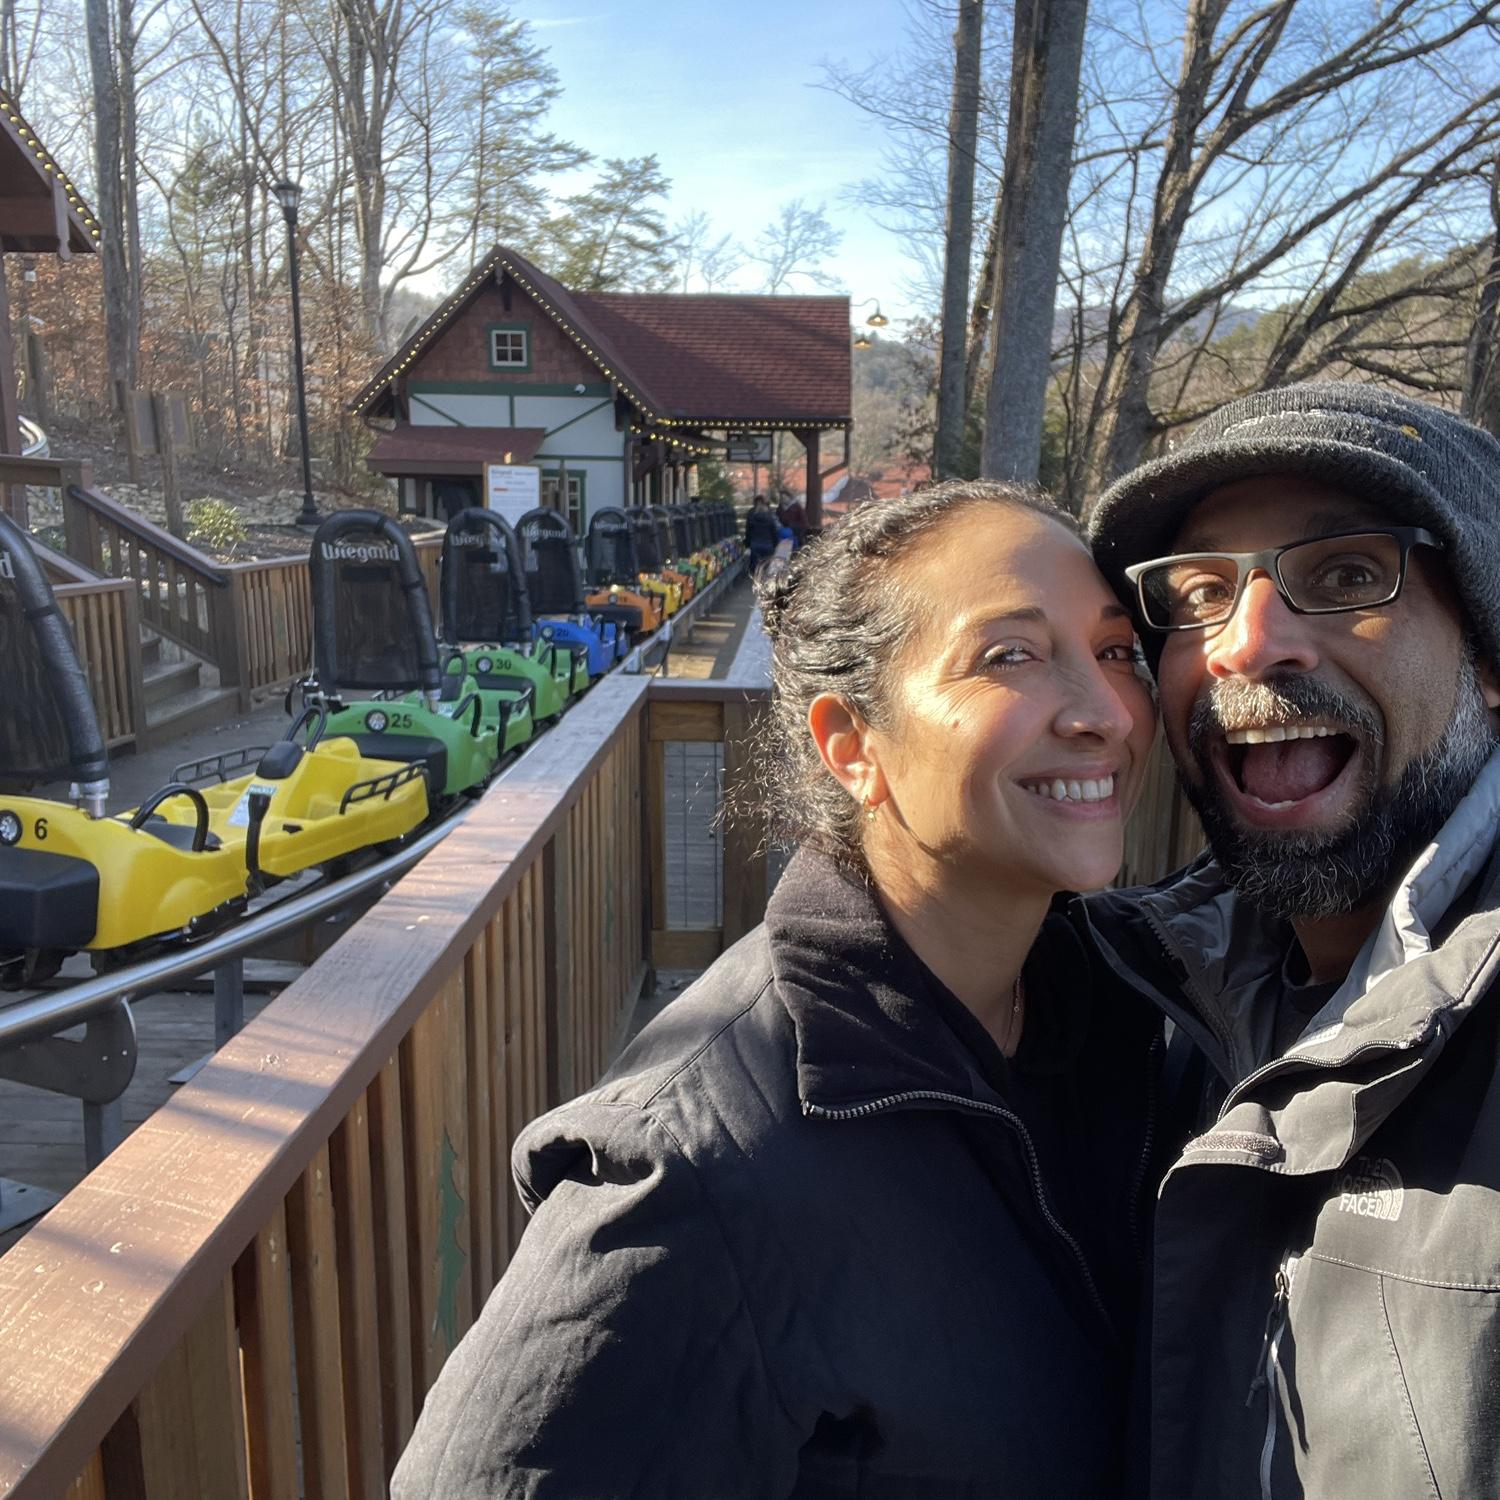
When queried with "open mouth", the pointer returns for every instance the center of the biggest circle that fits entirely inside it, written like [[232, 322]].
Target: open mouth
[[1285, 775]]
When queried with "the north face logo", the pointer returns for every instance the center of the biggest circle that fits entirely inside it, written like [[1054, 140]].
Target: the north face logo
[[1371, 1187]]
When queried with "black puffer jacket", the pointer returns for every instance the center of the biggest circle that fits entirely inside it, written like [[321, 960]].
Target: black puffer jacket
[[799, 1244]]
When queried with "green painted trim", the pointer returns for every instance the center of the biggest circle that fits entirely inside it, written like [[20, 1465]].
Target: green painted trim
[[585, 458], [598, 406], [502, 388], [438, 410], [583, 495], [490, 329], [512, 401]]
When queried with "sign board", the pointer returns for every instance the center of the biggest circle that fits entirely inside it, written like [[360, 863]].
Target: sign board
[[749, 448], [512, 489], [140, 420]]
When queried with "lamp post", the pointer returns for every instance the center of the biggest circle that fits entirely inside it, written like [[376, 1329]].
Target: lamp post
[[287, 195]]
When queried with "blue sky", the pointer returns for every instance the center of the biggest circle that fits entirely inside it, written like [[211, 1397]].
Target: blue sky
[[724, 94]]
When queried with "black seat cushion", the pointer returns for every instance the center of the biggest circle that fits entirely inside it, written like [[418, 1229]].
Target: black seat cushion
[[178, 835], [408, 747], [46, 900], [279, 761], [622, 614], [501, 682]]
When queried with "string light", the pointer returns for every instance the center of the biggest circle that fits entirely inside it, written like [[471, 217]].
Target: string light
[[29, 137], [483, 272]]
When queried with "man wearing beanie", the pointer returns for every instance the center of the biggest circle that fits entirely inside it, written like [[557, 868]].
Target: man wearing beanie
[[1316, 579]]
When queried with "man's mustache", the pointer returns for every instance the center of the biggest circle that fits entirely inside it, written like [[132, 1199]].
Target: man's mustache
[[1286, 700]]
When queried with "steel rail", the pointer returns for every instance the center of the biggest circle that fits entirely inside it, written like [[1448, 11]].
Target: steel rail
[[46, 1015]]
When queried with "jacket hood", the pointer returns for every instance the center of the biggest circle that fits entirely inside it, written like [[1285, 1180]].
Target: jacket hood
[[1406, 993]]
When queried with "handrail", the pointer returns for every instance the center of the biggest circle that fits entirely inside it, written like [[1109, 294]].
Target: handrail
[[516, 932], [46, 1015], [45, 473], [183, 594], [61, 566], [148, 531]]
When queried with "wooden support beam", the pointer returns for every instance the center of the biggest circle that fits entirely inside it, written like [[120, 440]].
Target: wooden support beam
[[12, 497], [814, 507]]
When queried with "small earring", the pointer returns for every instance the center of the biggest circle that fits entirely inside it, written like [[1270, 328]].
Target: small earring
[[870, 811]]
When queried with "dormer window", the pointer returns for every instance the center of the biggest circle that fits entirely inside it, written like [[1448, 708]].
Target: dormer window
[[510, 346]]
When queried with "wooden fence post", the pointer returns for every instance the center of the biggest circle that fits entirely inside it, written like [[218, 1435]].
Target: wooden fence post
[[135, 677], [557, 893], [743, 849]]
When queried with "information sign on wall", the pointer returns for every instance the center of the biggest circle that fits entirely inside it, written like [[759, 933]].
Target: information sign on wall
[[512, 489]]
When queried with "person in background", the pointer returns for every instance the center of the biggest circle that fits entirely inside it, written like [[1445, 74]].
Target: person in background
[[861, 1212], [794, 515], [760, 532], [1316, 572]]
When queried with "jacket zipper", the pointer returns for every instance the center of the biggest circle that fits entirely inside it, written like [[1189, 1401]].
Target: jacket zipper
[[978, 1106], [1154, 1063], [1327, 1065], [1268, 1374]]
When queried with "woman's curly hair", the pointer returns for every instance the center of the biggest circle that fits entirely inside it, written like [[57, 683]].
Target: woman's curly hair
[[839, 620]]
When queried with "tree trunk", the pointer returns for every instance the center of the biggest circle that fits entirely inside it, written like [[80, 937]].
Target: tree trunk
[[110, 201], [1127, 392], [963, 140], [130, 207], [1045, 65], [1482, 371], [984, 302]]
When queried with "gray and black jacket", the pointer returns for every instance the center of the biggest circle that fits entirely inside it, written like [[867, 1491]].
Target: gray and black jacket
[[1326, 1317], [798, 1243]]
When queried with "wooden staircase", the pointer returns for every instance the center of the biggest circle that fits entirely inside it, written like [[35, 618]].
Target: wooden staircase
[[181, 689]]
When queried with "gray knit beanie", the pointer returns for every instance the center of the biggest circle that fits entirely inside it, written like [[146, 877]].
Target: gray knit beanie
[[1422, 464]]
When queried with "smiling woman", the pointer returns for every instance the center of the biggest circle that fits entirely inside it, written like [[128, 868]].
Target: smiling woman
[[860, 1212]]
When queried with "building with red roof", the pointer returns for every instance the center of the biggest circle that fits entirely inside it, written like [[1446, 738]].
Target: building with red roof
[[608, 398]]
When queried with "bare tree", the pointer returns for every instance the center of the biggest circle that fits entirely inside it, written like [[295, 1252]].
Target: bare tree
[[110, 38], [963, 140], [705, 261], [1319, 129], [1482, 371], [794, 246], [1045, 61]]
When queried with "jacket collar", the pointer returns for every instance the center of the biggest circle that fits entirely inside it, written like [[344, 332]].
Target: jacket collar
[[858, 997], [1361, 1055]]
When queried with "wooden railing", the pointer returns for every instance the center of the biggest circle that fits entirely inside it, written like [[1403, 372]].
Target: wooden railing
[[269, 1273], [264, 1280], [107, 633], [272, 602], [1163, 832], [184, 595]]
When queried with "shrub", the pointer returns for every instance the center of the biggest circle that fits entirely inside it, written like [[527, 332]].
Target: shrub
[[216, 525]]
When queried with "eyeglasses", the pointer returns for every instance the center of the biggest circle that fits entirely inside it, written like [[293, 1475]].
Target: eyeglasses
[[1326, 575]]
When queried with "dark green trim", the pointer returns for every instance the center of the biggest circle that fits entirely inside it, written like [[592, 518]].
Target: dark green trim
[[588, 412], [438, 411], [583, 495], [583, 458], [502, 388], [490, 329]]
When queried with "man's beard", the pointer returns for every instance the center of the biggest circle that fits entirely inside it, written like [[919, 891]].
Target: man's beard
[[1321, 874]]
